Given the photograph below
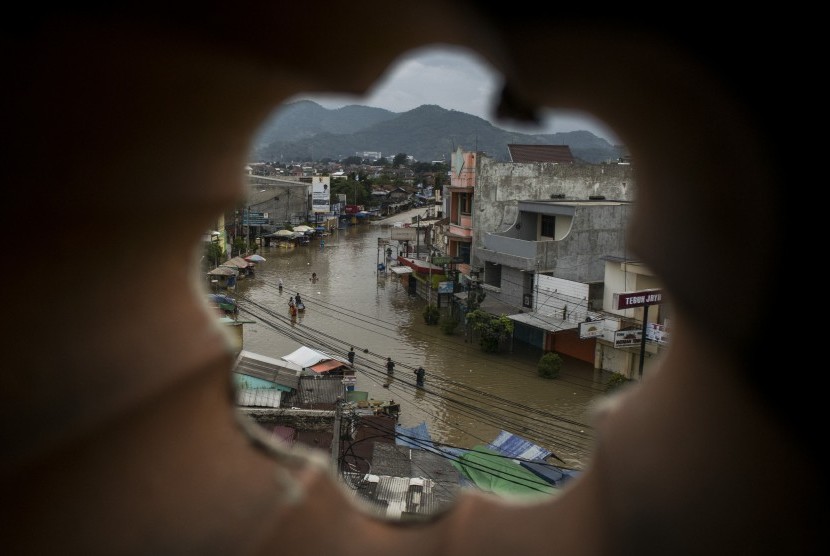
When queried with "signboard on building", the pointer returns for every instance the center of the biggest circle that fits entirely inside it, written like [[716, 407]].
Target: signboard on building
[[250, 218], [445, 287], [629, 300], [657, 333], [591, 329], [320, 194], [627, 338], [446, 260], [403, 234]]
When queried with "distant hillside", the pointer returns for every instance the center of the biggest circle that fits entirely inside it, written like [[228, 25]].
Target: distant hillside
[[305, 130]]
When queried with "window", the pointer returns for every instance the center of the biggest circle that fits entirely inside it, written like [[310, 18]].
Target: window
[[465, 202], [548, 225], [464, 253]]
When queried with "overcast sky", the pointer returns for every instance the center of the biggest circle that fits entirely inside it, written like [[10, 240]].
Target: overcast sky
[[454, 79]]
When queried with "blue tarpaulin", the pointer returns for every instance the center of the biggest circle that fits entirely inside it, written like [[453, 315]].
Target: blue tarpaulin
[[515, 446], [549, 472]]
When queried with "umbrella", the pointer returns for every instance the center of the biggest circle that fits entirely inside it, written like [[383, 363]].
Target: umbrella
[[255, 258], [302, 228]]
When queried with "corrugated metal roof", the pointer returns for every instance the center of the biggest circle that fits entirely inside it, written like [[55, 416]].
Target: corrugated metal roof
[[325, 366], [259, 397], [399, 498], [317, 392], [267, 368], [551, 324], [540, 153], [306, 357]]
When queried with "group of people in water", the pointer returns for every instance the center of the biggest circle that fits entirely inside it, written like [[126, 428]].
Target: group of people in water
[[420, 372], [295, 303]]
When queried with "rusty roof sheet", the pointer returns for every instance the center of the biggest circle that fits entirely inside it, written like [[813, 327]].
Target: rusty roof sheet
[[540, 153]]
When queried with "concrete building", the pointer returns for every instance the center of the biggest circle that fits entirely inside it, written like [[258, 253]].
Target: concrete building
[[534, 236]]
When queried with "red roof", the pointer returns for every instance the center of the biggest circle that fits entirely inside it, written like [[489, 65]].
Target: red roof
[[327, 365]]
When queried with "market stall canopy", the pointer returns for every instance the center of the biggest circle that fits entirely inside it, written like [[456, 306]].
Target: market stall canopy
[[281, 233], [238, 262], [302, 228], [223, 271]]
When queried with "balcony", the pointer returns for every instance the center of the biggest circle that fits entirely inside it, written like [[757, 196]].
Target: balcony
[[514, 252]]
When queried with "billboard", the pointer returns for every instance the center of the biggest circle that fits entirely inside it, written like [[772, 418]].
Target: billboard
[[320, 194], [445, 287]]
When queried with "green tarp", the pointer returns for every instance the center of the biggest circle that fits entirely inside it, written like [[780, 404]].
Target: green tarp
[[357, 396], [495, 473]]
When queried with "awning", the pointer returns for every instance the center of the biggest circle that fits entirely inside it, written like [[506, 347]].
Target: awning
[[325, 366], [545, 322], [238, 262], [223, 271], [401, 269]]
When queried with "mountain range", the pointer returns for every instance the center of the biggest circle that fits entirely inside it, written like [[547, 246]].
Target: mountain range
[[304, 130]]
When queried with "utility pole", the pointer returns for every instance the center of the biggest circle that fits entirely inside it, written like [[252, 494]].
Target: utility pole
[[429, 286], [417, 236]]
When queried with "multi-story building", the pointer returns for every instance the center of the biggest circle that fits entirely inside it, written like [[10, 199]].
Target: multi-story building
[[536, 236]]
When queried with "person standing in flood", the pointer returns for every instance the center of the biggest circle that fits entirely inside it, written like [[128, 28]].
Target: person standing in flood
[[420, 375], [390, 366], [351, 356]]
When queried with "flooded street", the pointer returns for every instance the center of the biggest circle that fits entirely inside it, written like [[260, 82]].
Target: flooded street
[[469, 395]]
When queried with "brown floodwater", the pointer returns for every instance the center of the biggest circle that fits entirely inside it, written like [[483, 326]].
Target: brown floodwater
[[469, 395]]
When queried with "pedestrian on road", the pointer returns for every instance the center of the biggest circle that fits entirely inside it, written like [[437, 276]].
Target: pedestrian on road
[[390, 366], [420, 374], [280, 284], [351, 356]]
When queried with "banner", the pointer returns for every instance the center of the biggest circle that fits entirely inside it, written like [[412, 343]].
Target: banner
[[320, 194]]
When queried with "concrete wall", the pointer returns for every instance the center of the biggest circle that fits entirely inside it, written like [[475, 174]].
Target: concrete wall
[[597, 230], [300, 419], [500, 185], [626, 361]]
